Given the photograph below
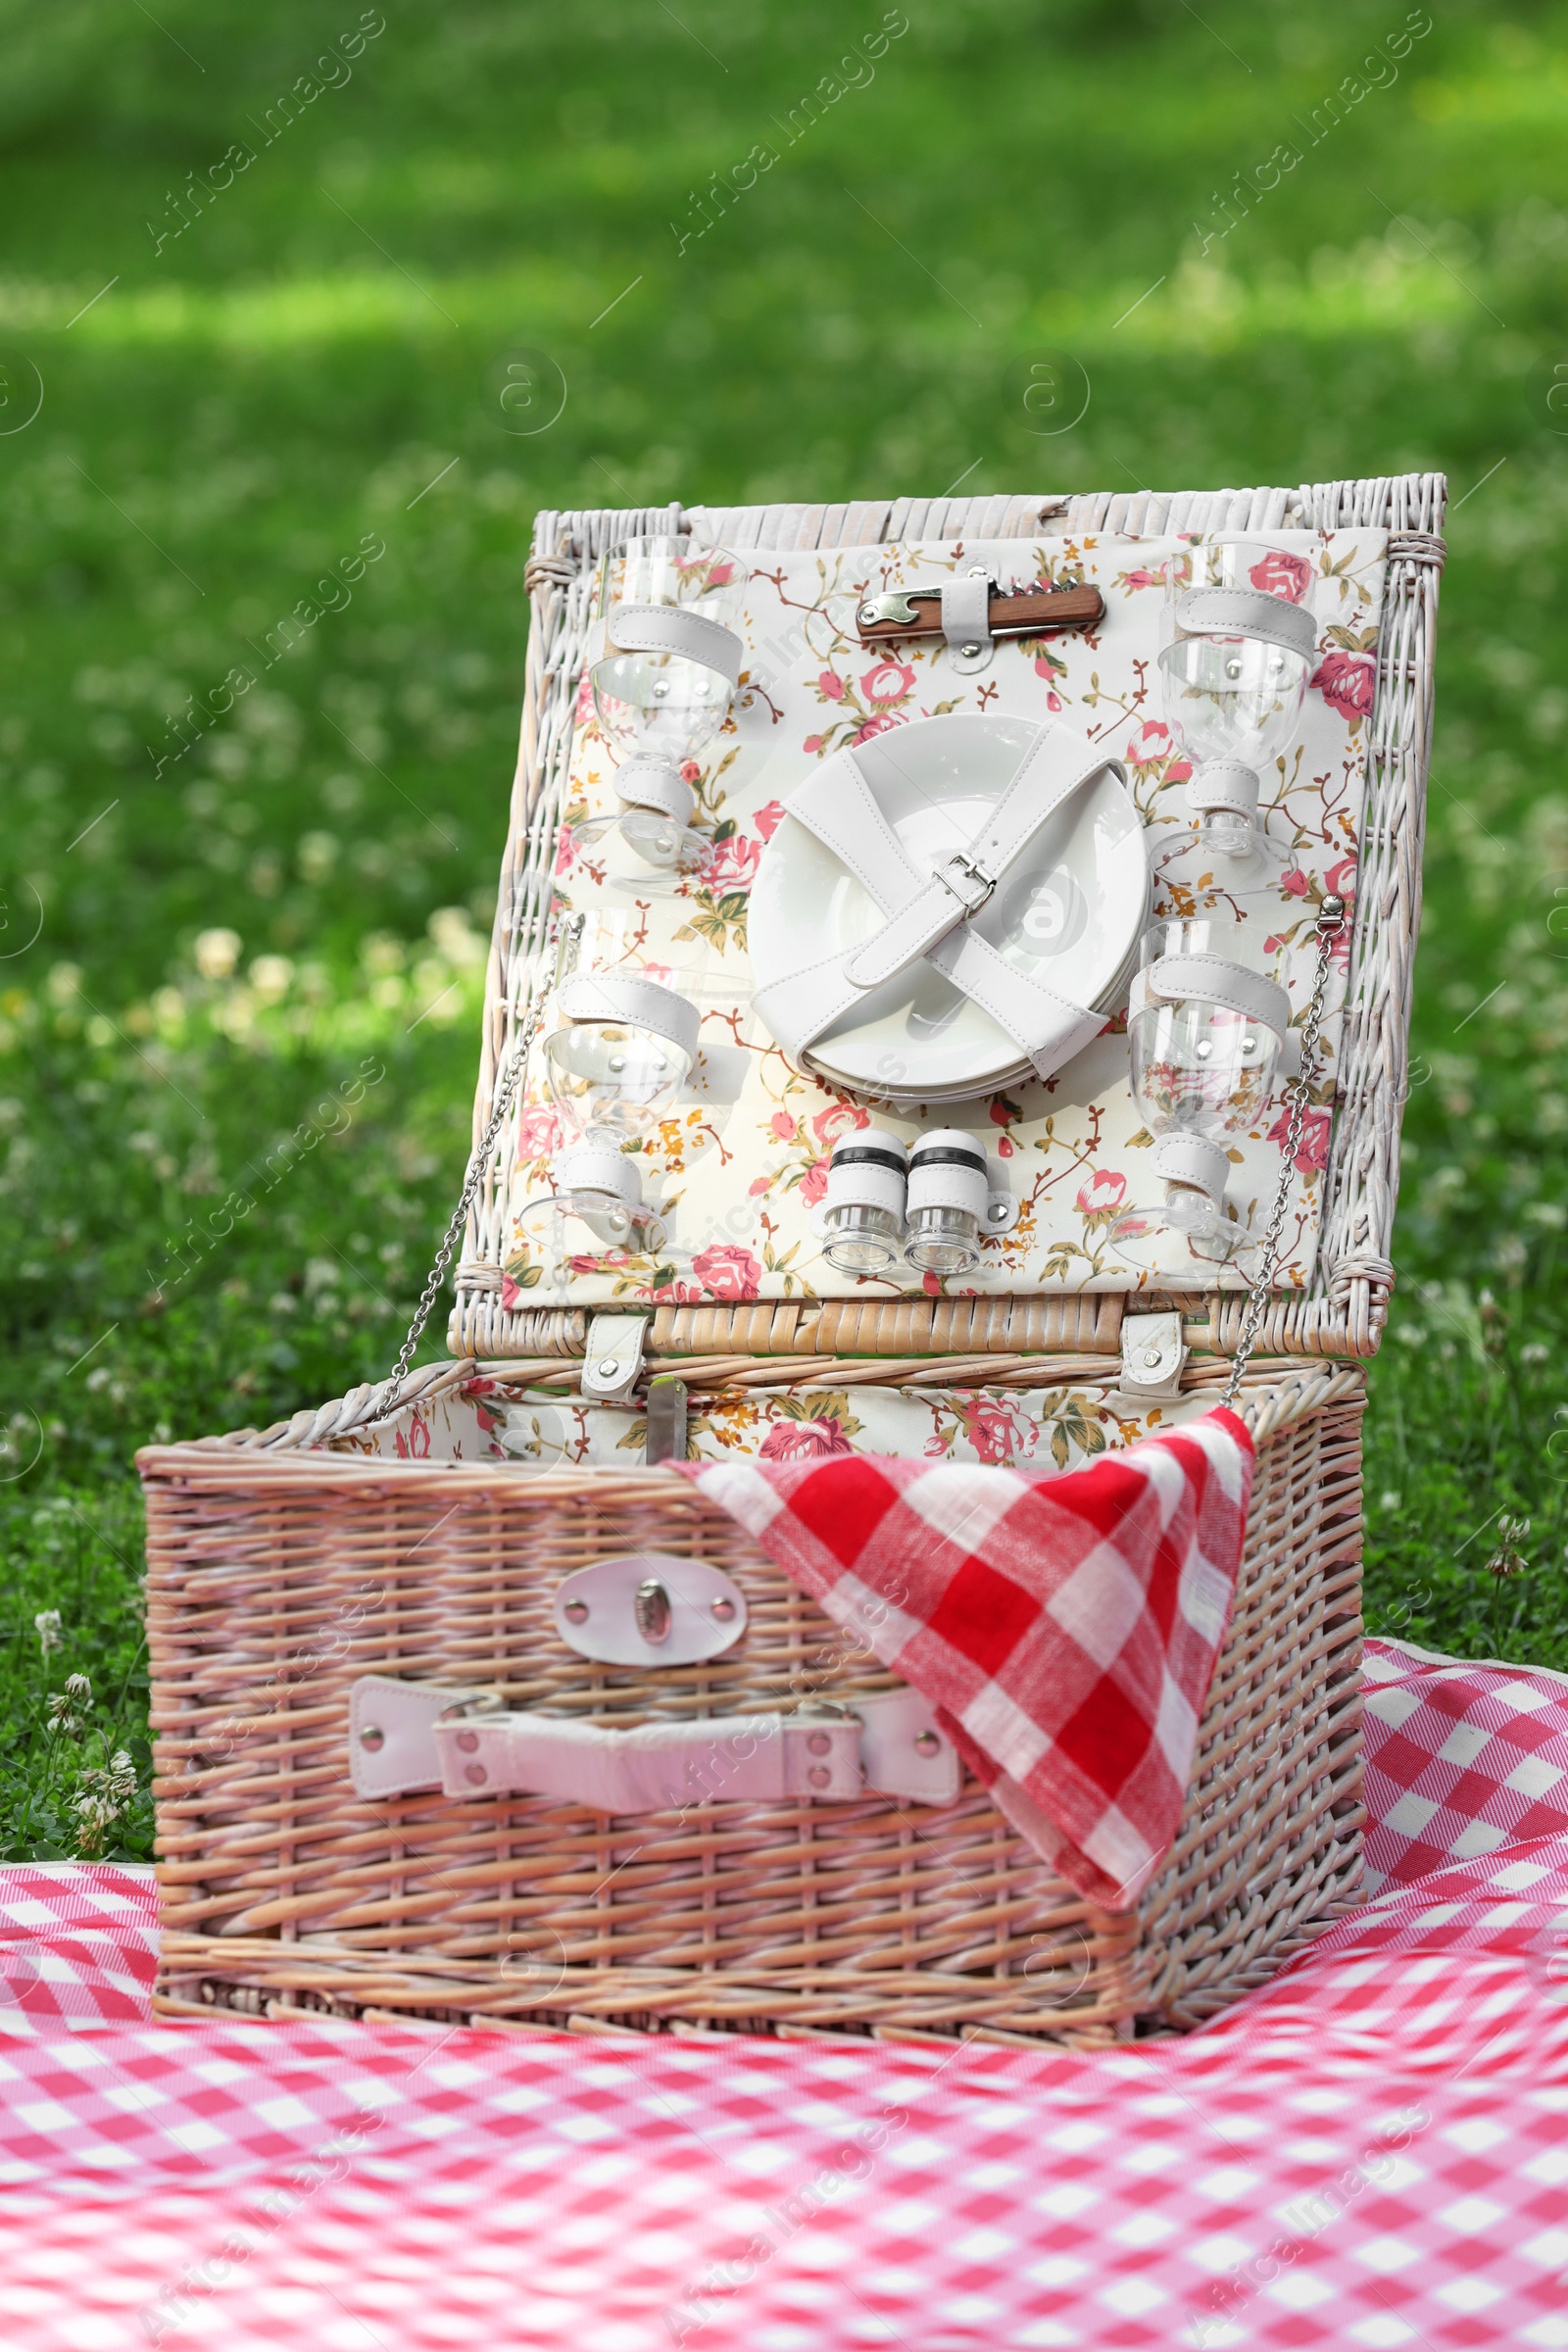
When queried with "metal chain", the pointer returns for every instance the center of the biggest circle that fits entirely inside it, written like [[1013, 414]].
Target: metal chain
[[1330, 923], [504, 1091]]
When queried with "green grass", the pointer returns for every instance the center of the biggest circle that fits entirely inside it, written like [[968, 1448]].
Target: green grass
[[249, 401]]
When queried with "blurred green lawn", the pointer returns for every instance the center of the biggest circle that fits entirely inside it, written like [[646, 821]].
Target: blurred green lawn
[[311, 363]]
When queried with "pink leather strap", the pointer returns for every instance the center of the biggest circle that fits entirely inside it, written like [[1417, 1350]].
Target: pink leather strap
[[408, 1735]]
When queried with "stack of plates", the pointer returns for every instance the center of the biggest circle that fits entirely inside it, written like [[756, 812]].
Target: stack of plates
[[1069, 912]]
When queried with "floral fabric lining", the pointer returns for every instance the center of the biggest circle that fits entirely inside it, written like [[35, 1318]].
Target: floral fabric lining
[[739, 1168], [1061, 1428]]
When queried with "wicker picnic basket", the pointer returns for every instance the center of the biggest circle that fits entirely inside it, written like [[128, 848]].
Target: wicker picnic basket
[[284, 1565]]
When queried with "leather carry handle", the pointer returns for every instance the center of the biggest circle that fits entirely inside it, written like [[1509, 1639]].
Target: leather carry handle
[[1010, 616]]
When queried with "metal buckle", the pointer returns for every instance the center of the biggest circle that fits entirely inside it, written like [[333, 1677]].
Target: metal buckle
[[481, 1702], [983, 883]]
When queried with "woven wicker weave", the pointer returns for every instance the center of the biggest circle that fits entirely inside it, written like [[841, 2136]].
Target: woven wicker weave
[[1343, 1310], [279, 1572]]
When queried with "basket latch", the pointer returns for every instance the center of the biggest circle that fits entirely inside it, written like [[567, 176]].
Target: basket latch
[[1152, 1353], [613, 1361], [649, 1608]]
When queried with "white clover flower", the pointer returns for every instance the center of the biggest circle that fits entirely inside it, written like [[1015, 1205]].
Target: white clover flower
[[46, 1624]]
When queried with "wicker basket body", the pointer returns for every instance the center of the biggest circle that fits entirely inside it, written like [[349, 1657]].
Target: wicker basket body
[[283, 1565], [280, 1570]]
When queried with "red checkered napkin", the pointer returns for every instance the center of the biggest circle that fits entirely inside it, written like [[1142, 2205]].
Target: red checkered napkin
[[1063, 1628]]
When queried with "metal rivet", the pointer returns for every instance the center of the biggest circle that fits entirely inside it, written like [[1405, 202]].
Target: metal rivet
[[818, 1743], [1151, 1359], [576, 1612], [819, 1775], [969, 652], [866, 614], [476, 1773], [609, 1367], [372, 1736], [927, 1743], [723, 1610], [468, 1742]]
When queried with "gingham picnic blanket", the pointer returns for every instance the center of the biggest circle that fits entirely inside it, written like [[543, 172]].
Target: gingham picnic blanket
[[1371, 2151], [1064, 1629]]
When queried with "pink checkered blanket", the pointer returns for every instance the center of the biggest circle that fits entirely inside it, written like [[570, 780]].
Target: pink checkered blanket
[[1370, 2151]]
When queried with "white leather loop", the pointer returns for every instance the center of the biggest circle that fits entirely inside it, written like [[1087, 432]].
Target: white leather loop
[[645, 781], [966, 612], [1182, 1158], [673, 629], [1247, 612], [1223, 784], [641, 1003], [1214, 980], [927, 915], [599, 1168]]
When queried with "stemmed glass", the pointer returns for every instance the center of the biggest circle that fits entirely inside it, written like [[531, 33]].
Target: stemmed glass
[[617, 1061], [1207, 1036], [664, 681], [1238, 646]]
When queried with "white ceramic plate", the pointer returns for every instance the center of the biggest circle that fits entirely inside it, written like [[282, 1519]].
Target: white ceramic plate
[[1069, 912]]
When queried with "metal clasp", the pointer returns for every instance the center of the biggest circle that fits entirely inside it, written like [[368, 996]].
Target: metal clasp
[[981, 884]]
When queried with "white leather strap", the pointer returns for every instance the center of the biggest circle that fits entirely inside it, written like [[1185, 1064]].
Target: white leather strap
[[645, 781], [966, 611], [599, 1168], [1223, 784], [925, 914], [962, 883], [1183, 1159], [624, 996], [888, 1741], [1247, 612], [1214, 980], [674, 629]]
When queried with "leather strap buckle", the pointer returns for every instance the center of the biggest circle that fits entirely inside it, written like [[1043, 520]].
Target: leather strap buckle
[[981, 884]]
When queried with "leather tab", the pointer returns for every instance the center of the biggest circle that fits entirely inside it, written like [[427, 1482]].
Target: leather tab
[[1152, 1353], [903, 1752], [392, 1748], [966, 611], [613, 1356]]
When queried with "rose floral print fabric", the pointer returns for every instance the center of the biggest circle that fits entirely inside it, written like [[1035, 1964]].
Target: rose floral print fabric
[[738, 1168], [1061, 1428]]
